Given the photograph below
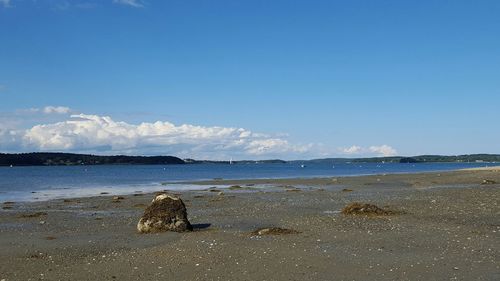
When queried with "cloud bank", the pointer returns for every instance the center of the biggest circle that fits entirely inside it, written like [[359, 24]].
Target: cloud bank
[[94, 134], [59, 128]]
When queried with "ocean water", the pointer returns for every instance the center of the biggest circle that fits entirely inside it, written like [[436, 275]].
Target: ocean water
[[45, 183]]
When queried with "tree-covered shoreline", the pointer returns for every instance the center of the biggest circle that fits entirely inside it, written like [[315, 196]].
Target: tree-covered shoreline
[[72, 159]]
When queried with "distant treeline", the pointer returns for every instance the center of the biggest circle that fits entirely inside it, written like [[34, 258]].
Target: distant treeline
[[67, 159]]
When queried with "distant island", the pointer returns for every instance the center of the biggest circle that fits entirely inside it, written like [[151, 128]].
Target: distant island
[[72, 159]]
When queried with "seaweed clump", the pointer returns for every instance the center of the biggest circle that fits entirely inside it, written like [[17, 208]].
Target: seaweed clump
[[357, 208], [33, 215], [273, 231]]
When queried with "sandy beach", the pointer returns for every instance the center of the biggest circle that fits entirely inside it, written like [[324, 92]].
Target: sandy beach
[[443, 226]]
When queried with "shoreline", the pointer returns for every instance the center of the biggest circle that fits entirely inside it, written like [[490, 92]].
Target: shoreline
[[226, 183], [336, 179]]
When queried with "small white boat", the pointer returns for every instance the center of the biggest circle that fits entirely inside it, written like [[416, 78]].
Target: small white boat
[[302, 166]]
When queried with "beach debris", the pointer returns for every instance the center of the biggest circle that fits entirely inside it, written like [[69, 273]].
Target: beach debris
[[117, 199], [166, 213], [37, 256], [273, 231], [488, 181], [347, 190], [357, 208], [33, 215], [245, 187]]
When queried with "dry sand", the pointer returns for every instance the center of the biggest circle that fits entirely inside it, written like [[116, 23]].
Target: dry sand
[[443, 226]]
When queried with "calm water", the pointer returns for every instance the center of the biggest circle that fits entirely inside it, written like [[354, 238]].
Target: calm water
[[43, 183]]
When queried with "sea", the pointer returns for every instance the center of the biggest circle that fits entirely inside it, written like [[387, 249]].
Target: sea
[[42, 183]]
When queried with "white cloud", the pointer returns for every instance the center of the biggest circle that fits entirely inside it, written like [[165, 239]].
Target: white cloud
[[265, 146], [8, 138], [93, 133], [56, 110], [133, 3], [352, 150], [64, 5], [5, 3], [48, 110], [383, 150]]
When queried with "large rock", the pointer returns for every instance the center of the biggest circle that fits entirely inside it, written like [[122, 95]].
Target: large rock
[[166, 213]]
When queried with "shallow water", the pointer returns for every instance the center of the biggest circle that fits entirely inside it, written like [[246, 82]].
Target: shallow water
[[45, 183]]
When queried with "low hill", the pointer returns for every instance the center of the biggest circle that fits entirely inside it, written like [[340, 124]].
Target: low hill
[[60, 159]]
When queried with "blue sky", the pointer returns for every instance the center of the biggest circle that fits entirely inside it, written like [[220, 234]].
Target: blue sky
[[302, 79]]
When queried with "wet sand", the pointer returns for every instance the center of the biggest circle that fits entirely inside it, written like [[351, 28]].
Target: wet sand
[[446, 227]]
